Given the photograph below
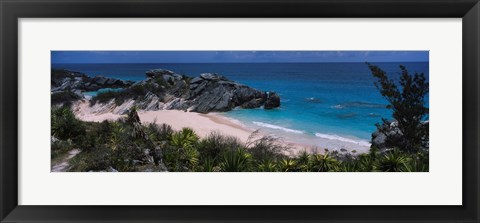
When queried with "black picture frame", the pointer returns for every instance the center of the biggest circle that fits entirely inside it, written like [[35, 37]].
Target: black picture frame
[[11, 11]]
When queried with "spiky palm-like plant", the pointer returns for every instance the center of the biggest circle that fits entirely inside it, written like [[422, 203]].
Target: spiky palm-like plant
[[116, 135], [64, 125], [288, 165], [303, 157], [393, 161], [302, 161], [191, 157], [267, 166], [322, 163], [165, 131], [417, 163], [184, 138], [236, 160], [183, 143], [159, 133], [207, 164], [349, 167]]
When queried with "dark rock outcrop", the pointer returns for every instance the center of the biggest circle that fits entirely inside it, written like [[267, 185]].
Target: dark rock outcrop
[[272, 100], [382, 133], [213, 92], [388, 135], [164, 89], [64, 80], [166, 75]]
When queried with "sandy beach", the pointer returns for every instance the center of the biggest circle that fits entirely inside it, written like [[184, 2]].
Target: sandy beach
[[204, 124]]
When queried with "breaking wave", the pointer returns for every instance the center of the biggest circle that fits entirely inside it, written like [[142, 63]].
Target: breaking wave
[[343, 139], [270, 126]]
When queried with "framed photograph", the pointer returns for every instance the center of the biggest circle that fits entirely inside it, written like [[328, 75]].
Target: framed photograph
[[255, 111]]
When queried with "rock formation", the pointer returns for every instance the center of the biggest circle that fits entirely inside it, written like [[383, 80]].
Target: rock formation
[[64, 80], [164, 89], [208, 92], [388, 135]]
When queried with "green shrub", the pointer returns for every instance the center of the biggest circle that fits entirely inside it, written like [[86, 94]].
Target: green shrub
[[350, 166], [60, 147], [267, 148], [97, 159], [322, 163], [64, 125], [393, 161], [182, 153], [215, 145], [267, 166], [366, 162], [184, 138], [208, 165], [417, 163], [159, 133], [127, 155], [172, 158], [302, 160], [236, 160], [64, 98], [288, 165]]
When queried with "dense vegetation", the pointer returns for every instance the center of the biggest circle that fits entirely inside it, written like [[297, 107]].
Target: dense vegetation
[[128, 145]]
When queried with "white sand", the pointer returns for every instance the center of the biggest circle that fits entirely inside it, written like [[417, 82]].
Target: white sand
[[203, 124], [84, 112]]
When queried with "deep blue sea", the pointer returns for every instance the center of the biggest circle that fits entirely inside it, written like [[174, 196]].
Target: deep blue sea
[[328, 100]]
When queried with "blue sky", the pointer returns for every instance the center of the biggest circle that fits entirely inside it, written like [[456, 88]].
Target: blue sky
[[236, 56]]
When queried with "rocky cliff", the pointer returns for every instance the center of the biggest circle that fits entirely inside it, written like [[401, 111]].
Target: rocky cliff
[[64, 80], [164, 89], [67, 86]]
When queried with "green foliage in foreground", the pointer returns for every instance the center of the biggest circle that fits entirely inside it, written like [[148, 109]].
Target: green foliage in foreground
[[114, 145]]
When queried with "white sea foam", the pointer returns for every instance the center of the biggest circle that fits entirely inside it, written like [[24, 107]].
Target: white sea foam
[[343, 139], [266, 125], [338, 106], [235, 121]]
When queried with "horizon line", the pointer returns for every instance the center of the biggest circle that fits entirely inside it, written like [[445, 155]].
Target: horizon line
[[242, 62]]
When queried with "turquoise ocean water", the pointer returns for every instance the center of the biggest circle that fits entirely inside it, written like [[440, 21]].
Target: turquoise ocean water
[[318, 100]]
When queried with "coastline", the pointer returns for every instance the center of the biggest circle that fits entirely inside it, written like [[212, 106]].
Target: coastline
[[204, 124]]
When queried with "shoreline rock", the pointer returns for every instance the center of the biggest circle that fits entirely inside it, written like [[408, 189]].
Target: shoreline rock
[[387, 135], [65, 80], [165, 89]]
